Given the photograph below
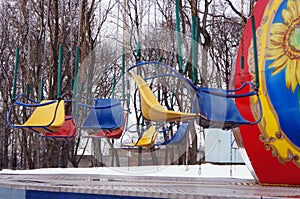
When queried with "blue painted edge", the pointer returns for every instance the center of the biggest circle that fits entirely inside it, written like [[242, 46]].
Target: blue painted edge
[[33, 194]]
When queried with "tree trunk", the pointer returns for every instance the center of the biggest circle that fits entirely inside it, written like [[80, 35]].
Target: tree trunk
[[193, 149], [153, 156], [140, 150]]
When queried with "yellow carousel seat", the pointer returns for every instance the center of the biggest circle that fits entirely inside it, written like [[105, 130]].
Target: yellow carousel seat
[[152, 109], [148, 138], [46, 118]]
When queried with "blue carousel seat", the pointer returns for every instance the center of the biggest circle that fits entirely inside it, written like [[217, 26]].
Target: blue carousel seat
[[218, 106], [105, 114], [178, 136]]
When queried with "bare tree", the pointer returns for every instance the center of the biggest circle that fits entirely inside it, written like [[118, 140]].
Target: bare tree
[[38, 28]]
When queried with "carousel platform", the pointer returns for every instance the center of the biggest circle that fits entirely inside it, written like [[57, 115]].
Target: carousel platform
[[83, 186]]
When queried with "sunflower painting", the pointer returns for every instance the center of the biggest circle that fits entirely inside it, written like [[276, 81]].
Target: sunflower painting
[[284, 47], [282, 68]]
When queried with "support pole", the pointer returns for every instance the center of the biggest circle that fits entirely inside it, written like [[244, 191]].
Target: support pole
[[178, 36], [195, 47], [75, 84], [255, 52], [27, 89], [15, 74], [123, 73], [41, 89], [59, 72]]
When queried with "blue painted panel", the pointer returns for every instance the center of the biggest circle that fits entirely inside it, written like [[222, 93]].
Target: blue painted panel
[[12, 193], [31, 194]]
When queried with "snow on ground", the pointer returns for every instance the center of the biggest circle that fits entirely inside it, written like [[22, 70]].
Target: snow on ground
[[205, 170]]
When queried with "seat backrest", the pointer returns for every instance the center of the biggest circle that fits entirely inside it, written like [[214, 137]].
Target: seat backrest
[[48, 115], [148, 99], [148, 138], [152, 109], [106, 114]]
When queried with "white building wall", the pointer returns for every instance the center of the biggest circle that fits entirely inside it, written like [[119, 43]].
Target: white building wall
[[220, 147]]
